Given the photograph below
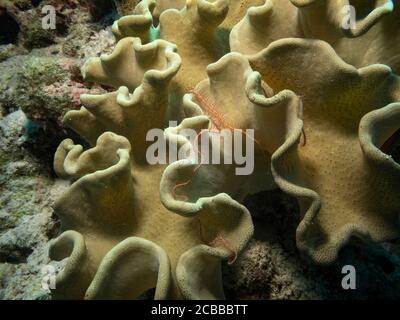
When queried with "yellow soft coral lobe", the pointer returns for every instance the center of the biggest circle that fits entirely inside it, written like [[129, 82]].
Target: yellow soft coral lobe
[[119, 238], [322, 100], [199, 28], [345, 184], [361, 32], [237, 106]]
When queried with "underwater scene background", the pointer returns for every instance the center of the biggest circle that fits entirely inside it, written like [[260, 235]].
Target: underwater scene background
[[307, 90]]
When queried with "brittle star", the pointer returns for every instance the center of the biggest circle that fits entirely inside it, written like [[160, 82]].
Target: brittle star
[[220, 239], [300, 114], [218, 122]]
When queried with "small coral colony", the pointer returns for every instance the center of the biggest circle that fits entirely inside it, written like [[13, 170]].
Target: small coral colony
[[308, 90]]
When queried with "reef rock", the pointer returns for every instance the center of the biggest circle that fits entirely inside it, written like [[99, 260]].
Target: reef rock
[[27, 192]]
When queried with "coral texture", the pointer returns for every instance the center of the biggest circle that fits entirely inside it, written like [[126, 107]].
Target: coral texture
[[45, 84], [373, 39], [335, 131], [122, 241], [220, 104], [346, 184], [200, 26], [322, 109], [125, 7], [163, 5]]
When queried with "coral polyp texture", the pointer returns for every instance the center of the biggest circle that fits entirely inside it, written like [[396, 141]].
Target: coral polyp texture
[[322, 99], [345, 182], [372, 38], [120, 240], [218, 104], [200, 30]]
